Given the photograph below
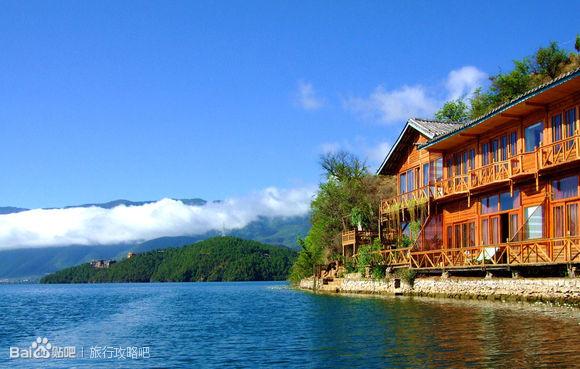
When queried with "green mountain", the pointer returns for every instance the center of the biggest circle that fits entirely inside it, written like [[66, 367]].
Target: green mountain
[[215, 259]]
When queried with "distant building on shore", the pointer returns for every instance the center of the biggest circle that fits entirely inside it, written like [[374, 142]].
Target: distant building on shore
[[102, 264]]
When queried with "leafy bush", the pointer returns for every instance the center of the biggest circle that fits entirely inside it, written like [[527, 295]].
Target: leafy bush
[[368, 256], [407, 275], [378, 272]]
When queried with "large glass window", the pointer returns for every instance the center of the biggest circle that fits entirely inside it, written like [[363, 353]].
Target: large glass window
[[425, 174], [534, 222], [533, 136], [565, 187], [489, 204], [508, 202]]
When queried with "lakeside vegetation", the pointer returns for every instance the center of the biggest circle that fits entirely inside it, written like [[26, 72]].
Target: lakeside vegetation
[[213, 260]]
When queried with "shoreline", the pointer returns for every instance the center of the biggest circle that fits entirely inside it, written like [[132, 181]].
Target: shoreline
[[561, 291]]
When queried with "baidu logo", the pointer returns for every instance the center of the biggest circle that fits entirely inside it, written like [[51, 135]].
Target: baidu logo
[[41, 348]]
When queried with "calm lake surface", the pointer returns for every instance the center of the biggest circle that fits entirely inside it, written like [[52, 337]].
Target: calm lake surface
[[270, 325]]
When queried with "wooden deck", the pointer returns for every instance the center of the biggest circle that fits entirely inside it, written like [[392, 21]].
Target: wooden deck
[[550, 251]]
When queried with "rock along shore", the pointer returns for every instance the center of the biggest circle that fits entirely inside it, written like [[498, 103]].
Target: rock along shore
[[553, 290]]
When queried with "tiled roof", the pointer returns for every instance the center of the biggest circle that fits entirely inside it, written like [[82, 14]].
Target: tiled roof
[[433, 128], [530, 93]]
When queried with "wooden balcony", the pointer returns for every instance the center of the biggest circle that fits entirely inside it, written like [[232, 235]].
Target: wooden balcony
[[560, 152], [525, 164], [565, 250]]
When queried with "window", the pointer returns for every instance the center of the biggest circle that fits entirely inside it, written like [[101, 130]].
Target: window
[[556, 127], [471, 234], [402, 183], [565, 188], [495, 230], [439, 169], [514, 227], [558, 218], [533, 136], [449, 168], [509, 202], [457, 240], [570, 117], [534, 222], [495, 150], [464, 162], [485, 232], [572, 219], [449, 237], [471, 159], [489, 204], [513, 143], [410, 180], [425, 174], [504, 147], [485, 153]]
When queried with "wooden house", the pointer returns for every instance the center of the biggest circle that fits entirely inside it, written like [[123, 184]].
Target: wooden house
[[498, 191]]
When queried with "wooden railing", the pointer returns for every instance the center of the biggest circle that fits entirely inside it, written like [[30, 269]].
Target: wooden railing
[[396, 257], [564, 250], [356, 237], [559, 152], [402, 201]]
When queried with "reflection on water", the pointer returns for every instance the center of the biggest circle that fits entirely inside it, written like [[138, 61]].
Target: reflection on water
[[268, 324]]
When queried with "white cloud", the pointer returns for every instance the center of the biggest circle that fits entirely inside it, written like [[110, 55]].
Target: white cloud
[[394, 106], [125, 224], [398, 105], [377, 153], [463, 82], [307, 98]]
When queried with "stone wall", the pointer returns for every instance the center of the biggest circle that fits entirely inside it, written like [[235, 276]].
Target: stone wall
[[558, 290]]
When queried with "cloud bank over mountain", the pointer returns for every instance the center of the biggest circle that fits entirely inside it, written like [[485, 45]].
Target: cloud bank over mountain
[[166, 217]]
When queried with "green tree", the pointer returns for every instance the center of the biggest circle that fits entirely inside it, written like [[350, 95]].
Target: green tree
[[550, 60], [577, 44], [453, 111], [348, 194]]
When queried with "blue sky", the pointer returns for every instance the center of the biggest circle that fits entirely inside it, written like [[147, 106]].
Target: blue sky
[[143, 100]]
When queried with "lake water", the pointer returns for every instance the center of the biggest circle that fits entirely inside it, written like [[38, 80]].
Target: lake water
[[270, 325]]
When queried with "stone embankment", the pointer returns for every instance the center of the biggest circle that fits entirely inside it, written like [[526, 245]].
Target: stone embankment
[[555, 290]]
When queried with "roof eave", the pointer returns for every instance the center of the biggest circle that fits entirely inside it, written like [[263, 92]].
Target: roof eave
[[502, 109]]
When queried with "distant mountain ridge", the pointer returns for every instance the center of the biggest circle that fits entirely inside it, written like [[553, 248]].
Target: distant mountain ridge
[[107, 205], [32, 263]]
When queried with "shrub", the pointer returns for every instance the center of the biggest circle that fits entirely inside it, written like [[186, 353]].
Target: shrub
[[406, 275]]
